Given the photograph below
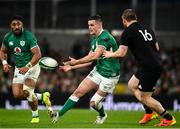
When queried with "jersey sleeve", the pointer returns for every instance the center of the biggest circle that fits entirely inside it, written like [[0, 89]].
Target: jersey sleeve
[[33, 41], [5, 41], [125, 40], [103, 42]]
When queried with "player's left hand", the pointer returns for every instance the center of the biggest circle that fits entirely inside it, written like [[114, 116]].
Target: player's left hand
[[23, 70], [71, 62], [107, 54]]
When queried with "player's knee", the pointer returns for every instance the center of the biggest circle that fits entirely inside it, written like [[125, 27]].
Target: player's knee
[[143, 98], [29, 92], [26, 93], [131, 86], [96, 101]]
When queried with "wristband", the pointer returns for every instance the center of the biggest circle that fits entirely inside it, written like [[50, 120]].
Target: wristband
[[4, 62], [29, 65]]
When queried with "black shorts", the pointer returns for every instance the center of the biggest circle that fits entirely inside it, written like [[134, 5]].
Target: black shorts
[[148, 78]]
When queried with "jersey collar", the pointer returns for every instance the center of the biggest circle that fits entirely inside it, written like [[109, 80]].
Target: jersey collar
[[100, 32]]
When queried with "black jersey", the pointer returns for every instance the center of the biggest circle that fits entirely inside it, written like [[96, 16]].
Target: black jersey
[[141, 41]]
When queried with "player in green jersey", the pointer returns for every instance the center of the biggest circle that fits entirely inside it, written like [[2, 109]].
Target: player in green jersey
[[102, 78], [26, 54]]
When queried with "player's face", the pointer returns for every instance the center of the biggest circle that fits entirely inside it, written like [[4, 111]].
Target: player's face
[[16, 27], [94, 27]]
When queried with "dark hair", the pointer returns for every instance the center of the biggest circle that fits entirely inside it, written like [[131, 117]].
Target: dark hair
[[129, 15], [95, 17], [17, 17]]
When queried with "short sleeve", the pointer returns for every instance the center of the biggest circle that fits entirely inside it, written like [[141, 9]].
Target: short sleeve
[[125, 40], [5, 41], [33, 41], [103, 42]]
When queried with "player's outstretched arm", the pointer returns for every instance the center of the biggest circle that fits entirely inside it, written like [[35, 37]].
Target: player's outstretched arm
[[121, 52], [88, 58], [67, 68]]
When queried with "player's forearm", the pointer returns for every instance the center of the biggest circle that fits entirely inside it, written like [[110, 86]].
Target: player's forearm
[[121, 52], [35, 58], [89, 58], [117, 54], [3, 56], [157, 46], [81, 65]]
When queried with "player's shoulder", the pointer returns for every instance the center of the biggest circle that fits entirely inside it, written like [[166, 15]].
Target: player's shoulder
[[133, 28], [7, 35], [105, 36], [28, 34]]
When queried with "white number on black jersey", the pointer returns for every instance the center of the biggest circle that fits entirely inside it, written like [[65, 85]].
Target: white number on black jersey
[[147, 36]]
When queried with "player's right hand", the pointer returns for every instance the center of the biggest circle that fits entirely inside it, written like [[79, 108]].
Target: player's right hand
[[71, 62], [6, 67], [107, 54], [65, 68]]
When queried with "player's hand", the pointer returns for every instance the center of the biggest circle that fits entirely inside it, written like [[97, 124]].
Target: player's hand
[[65, 68], [23, 70], [6, 67], [107, 54], [71, 62]]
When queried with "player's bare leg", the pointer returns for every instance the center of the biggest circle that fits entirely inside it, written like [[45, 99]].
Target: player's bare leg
[[85, 86], [147, 99], [149, 114], [34, 108], [18, 92], [32, 99]]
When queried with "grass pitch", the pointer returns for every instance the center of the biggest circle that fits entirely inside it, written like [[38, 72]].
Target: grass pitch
[[77, 118]]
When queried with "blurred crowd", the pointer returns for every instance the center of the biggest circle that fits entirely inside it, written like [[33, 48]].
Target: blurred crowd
[[59, 82]]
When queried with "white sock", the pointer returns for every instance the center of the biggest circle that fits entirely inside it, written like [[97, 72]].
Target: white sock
[[35, 113], [39, 96]]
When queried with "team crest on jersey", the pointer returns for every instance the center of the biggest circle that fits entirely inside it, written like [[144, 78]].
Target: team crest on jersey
[[11, 43], [22, 43], [17, 49]]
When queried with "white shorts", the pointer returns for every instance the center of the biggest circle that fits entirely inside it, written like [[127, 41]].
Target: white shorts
[[33, 73], [105, 84]]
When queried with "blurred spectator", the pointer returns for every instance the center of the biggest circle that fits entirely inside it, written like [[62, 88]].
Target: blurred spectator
[[45, 47]]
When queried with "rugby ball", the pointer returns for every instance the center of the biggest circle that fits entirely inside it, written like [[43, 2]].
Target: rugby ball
[[48, 63]]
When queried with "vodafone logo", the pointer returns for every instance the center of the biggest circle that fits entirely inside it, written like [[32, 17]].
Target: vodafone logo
[[17, 50]]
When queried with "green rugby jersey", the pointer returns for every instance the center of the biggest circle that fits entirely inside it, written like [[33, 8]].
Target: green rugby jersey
[[109, 67], [21, 46]]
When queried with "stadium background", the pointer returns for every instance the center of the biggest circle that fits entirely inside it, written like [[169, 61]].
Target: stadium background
[[61, 29]]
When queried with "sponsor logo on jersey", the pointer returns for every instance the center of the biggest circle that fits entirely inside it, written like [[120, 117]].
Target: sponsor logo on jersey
[[11, 43], [17, 50], [22, 43]]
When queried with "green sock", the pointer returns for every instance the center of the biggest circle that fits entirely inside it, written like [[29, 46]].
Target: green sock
[[100, 111], [68, 105]]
